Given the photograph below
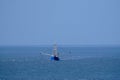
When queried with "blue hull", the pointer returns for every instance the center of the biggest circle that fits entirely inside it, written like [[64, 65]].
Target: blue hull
[[55, 58]]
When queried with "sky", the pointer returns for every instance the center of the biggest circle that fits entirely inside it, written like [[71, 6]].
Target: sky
[[66, 22]]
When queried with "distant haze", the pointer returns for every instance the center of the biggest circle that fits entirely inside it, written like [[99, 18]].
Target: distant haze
[[68, 22]]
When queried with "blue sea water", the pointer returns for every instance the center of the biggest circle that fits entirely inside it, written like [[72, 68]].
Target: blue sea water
[[77, 63]]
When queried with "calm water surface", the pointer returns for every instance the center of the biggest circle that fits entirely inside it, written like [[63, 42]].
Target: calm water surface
[[77, 63]]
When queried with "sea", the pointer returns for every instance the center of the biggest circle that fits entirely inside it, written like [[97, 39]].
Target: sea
[[76, 63]]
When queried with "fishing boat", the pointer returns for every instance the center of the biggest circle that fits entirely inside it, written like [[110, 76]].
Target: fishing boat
[[55, 55]]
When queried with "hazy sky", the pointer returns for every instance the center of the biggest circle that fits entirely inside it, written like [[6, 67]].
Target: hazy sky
[[83, 22]]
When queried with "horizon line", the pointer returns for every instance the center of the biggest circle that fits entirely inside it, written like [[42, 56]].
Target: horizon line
[[65, 45]]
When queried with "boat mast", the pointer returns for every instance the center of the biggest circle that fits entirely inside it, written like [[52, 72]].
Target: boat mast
[[55, 50]]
